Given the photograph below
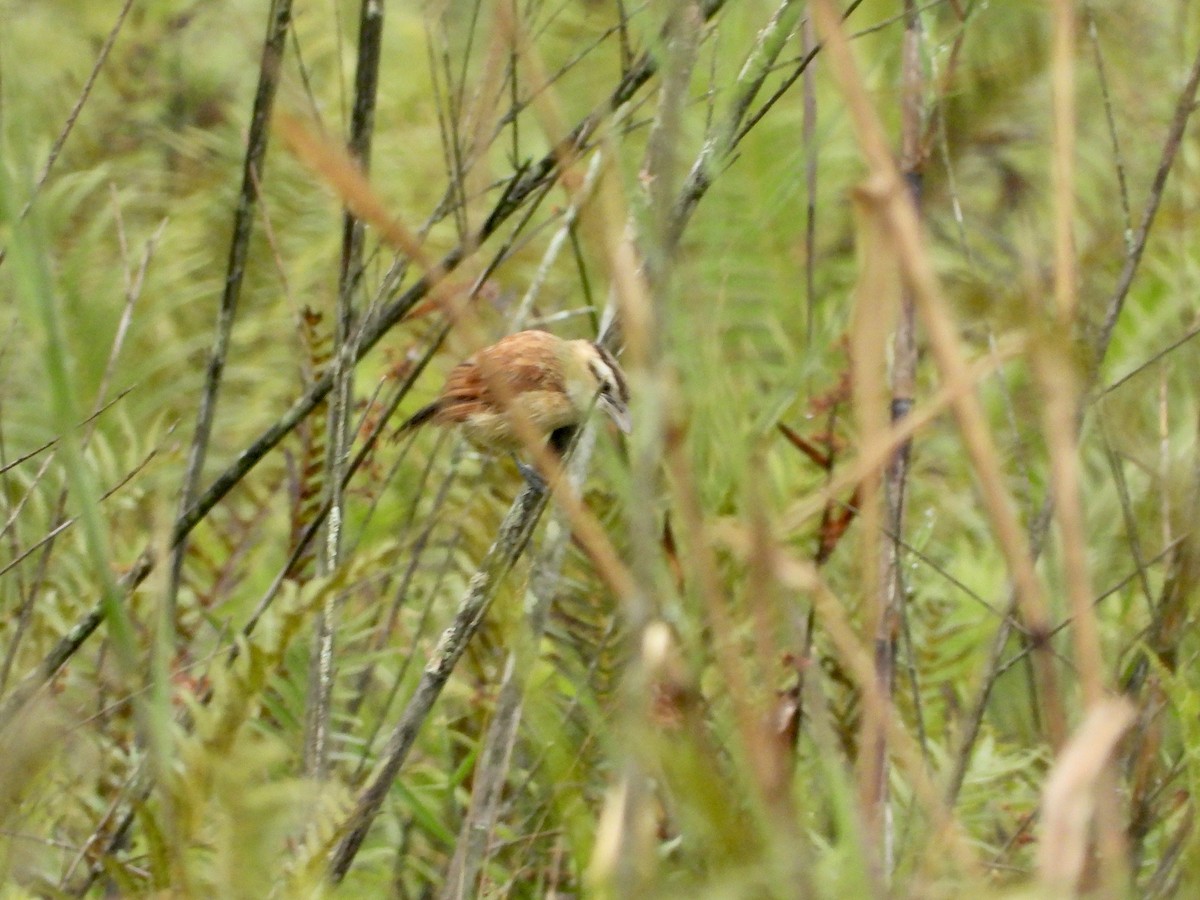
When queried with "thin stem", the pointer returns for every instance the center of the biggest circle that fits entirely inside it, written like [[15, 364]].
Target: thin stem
[[270, 65]]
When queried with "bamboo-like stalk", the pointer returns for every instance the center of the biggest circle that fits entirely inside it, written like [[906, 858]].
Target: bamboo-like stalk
[[1054, 365], [891, 590], [362, 130], [876, 304]]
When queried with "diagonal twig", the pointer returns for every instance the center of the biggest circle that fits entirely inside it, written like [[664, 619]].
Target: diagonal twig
[[270, 65], [510, 541]]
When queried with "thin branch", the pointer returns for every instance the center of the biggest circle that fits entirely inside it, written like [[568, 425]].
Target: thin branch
[[270, 64], [891, 616], [362, 129], [1184, 107], [1110, 122], [510, 541], [809, 140], [73, 116]]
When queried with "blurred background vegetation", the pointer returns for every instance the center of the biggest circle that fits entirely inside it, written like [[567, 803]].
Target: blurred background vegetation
[[779, 689]]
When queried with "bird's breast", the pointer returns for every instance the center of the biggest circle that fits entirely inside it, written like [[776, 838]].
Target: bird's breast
[[547, 411]]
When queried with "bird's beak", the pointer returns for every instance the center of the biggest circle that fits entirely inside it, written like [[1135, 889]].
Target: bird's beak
[[619, 413]]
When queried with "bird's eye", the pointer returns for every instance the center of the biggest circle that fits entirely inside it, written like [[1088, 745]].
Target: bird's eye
[[608, 380], [605, 384]]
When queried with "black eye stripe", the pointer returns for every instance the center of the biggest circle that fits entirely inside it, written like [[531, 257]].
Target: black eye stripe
[[605, 379], [609, 384], [613, 380]]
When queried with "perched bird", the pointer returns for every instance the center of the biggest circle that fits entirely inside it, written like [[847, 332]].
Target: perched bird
[[551, 381]]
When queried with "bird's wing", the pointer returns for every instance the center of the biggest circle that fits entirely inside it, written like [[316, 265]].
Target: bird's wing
[[520, 363]]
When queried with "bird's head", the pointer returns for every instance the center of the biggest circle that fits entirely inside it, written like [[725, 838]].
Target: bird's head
[[593, 372]]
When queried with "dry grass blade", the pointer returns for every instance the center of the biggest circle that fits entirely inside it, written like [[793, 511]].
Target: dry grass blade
[[1069, 796], [804, 577], [876, 304], [886, 185], [335, 167]]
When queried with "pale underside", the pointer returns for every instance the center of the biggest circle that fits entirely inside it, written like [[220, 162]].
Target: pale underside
[[546, 411]]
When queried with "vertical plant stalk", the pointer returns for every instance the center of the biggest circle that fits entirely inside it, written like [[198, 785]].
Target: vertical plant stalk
[[307, 557], [278, 23], [904, 369], [876, 303], [1110, 121], [1054, 365], [362, 129], [811, 158], [640, 275], [1055, 368], [946, 346], [1062, 71]]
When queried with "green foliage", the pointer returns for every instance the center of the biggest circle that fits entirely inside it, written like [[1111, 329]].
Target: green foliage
[[693, 738]]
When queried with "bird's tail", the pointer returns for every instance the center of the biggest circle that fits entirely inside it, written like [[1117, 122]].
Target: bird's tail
[[416, 420]]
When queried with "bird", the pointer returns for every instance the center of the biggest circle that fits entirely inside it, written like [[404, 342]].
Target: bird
[[551, 381]]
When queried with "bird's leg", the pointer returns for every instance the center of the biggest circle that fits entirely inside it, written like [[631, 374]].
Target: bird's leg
[[560, 441], [531, 475]]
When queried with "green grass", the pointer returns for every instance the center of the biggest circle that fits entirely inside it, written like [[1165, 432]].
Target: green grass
[[656, 749]]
